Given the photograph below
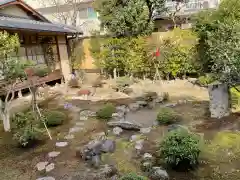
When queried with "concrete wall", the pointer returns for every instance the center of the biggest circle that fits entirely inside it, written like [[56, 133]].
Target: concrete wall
[[15, 11], [89, 61]]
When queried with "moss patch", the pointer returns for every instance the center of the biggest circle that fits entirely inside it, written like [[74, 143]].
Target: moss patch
[[220, 157], [122, 157]]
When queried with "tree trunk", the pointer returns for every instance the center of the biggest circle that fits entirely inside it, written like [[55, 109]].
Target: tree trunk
[[115, 73], [6, 120], [219, 105]]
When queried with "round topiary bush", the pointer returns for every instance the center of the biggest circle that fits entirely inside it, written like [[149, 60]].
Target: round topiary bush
[[180, 149], [106, 111], [133, 176], [54, 118], [167, 116]]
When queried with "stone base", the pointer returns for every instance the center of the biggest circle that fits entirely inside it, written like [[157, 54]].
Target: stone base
[[219, 100]]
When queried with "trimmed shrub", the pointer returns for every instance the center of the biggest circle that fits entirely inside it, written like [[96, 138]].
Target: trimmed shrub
[[26, 130], [27, 135], [180, 149], [206, 79], [54, 118], [41, 70], [106, 111], [132, 176], [167, 116], [123, 82]]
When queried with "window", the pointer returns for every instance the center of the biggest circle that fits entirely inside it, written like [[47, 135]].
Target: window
[[91, 13]]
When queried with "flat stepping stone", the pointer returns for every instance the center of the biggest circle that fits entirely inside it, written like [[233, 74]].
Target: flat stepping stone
[[53, 154], [61, 144], [83, 118], [50, 167], [75, 129], [80, 123], [41, 165], [69, 136], [46, 178]]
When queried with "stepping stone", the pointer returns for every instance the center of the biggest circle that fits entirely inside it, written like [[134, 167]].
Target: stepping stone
[[61, 144], [50, 167], [53, 154], [83, 118], [145, 130], [80, 123], [69, 136], [46, 178], [41, 165], [75, 129]]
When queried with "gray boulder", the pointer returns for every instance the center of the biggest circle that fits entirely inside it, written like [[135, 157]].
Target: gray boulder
[[125, 125], [46, 178], [122, 108], [134, 106], [146, 166], [142, 103], [108, 146], [96, 161], [95, 147], [117, 131], [145, 130], [157, 173], [107, 171]]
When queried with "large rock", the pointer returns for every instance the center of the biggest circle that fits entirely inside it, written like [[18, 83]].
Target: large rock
[[219, 100], [46, 178], [125, 125], [117, 131], [96, 161], [149, 96], [122, 108], [95, 147], [108, 146], [134, 106], [41, 165], [145, 130], [157, 173], [107, 171], [50, 167]]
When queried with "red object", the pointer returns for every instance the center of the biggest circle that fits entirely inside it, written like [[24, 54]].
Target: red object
[[157, 52], [84, 92]]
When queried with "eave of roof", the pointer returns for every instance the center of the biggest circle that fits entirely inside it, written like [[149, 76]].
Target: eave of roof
[[7, 23], [25, 6]]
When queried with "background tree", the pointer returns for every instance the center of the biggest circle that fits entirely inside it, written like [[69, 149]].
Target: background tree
[[178, 5], [219, 41], [11, 71], [128, 18]]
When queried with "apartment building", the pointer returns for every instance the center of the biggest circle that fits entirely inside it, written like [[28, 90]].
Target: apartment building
[[163, 21], [87, 19]]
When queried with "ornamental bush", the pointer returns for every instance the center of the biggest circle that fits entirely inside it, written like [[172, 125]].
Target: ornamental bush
[[180, 149], [25, 129], [167, 116], [133, 176], [54, 118], [106, 111], [41, 70]]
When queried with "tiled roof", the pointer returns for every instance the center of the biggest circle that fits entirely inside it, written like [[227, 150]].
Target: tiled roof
[[5, 1], [32, 25]]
